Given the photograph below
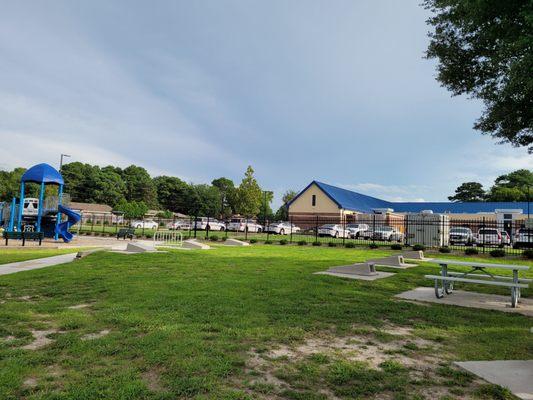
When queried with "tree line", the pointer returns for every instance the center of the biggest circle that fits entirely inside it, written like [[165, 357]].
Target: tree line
[[133, 191], [515, 186]]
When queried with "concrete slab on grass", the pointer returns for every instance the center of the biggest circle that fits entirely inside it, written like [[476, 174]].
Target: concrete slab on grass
[[235, 242], [194, 244], [393, 262], [470, 299], [517, 376], [11, 268], [360, 271]]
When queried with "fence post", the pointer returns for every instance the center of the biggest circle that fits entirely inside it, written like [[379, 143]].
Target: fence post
[[103, 223], [267, 228], [195, 225], [291, 226], [483, 227], [92, 223], [246, 230], [142, 222], [343, 230], [207, 229], [373, 228], [316, 229], [226, 223]]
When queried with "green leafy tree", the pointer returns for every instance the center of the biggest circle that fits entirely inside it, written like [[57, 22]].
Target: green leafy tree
[[10, 185], [282, 214], [204, 201], [513, 186], [228, 194], [468, 191], [266, 213], [139, 185], [484, 49], [172, 193], [132, 209], [249, 195]]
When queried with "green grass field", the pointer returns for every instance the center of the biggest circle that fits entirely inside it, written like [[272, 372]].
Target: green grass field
[[241, 323]]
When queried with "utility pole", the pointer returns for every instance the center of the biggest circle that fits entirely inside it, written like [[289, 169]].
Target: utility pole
[[61, 160]]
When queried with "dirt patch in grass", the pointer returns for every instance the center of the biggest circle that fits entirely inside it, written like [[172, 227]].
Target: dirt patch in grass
[[30, 382], [152, 380], [79, 306], [40, 339], [370, 363], [96, 335]]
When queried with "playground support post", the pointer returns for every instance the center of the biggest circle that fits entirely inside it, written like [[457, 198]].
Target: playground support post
[[12, 215], [40, 210], [21, 207], [58, 218]]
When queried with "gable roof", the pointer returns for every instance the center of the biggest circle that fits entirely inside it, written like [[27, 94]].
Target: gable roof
[[353, 201]]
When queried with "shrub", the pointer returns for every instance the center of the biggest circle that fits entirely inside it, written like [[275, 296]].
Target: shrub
[[396, 246], [302, 243], [253, 240], [317, 244], [331, 244], [349, 245], [213, 238], [268, 241], [445, 249], [373, 246], [418, 247], [528, 254], [471, 251], [497, 253], [283, 242]]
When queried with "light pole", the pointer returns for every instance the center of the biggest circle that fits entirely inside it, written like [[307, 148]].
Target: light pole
[[61, 160], [265, 193]]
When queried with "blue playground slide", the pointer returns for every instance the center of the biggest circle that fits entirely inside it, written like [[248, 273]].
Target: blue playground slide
[[63, 227]]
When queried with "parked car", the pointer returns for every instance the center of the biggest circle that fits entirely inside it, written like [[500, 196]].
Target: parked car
[[491, 236], [205, 223], [461, 235], [366, 234], [355, 230], [524, 238], [179, 225], [243, 224], [387, 233], [333, 230], [146, 224], [282, 228]]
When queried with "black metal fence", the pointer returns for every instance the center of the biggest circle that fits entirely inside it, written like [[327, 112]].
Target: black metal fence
[[431, 231]]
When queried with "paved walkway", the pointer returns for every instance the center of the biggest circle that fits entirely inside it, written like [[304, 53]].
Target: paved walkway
[[517, 376], [36, 264], [470, 299]]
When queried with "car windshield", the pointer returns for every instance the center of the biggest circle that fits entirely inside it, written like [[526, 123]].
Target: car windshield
[[353, 226], [459, 230], [384, 229], [488, 232], [526, 231], [328, 226], [236, 220]]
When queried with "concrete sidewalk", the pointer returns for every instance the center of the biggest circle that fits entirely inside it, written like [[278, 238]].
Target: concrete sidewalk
[[11, 268]]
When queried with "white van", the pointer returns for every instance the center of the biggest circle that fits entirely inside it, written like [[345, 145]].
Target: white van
[[31, 207]]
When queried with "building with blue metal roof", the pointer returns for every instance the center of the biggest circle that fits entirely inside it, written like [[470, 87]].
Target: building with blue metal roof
[[322, 199]]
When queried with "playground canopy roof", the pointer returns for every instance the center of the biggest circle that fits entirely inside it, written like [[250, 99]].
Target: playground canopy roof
[[43, 173]]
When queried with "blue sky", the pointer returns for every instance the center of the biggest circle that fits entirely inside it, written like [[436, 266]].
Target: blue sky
[[336, 91]]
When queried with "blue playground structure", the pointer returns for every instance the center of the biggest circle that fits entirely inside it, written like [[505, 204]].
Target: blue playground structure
[[42, 215]]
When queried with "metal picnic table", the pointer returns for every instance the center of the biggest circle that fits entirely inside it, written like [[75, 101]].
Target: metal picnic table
[[479, 273]]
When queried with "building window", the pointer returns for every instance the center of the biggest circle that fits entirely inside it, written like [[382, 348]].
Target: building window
[[313, 200]]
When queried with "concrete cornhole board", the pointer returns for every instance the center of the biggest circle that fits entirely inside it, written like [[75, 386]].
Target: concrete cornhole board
[[415, 255], [517, 376], [362, 271], [470, 299], [194, 244], [393, 262], [138, 247], [235, 242]]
